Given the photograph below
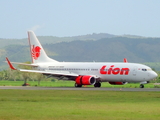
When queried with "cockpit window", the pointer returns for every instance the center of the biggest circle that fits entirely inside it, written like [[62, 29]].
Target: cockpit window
[[144, 69]]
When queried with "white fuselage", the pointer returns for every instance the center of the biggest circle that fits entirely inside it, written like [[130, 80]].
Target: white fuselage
[[122, 72]]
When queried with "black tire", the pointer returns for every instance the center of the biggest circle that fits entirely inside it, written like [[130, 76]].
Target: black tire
[[97, 84], [76, 85], [141, 86]]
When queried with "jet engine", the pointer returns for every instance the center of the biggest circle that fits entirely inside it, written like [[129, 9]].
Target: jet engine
[[117, 83], [85, 80]]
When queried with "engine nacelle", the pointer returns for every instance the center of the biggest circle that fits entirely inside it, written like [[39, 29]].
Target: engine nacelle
[[117, 83], [85, 80]]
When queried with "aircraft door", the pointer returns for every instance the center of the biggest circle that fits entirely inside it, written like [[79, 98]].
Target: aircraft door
[[135, 71], [148, 74]]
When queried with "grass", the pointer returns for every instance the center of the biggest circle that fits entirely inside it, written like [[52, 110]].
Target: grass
[[78, 105], [71, 84]]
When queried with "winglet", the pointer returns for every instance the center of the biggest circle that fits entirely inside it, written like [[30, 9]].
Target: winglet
[[125, 60], [10, 65]]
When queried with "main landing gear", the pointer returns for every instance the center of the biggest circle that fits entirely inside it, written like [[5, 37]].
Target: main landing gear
[[76, 85], [98, 84]]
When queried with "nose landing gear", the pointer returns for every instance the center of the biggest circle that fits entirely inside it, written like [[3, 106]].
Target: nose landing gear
[[141, 86]]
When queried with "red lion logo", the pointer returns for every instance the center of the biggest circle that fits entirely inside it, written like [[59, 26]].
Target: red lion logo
[[35, 52]]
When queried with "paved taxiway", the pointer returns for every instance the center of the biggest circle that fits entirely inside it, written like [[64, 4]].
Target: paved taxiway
[[83, 88]]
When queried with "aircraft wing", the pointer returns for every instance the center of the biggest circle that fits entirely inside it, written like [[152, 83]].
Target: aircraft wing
[[48, 73], [67, 73], [33, 65]]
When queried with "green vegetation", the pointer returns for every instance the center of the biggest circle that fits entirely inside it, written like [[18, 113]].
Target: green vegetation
[[62, 83], [78, 105]]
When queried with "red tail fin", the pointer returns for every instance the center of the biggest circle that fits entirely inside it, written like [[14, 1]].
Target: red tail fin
[[38, 54]]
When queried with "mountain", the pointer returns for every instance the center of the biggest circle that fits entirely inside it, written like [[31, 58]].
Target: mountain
[[108, 49], [53, 39], [87, 49]]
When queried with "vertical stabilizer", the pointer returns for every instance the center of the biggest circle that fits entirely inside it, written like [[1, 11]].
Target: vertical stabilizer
[[38, 54]]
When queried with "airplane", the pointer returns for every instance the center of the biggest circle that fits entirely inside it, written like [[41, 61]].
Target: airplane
[[85, 73]]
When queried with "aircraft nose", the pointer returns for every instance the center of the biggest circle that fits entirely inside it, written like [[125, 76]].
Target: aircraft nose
[[154, 75]]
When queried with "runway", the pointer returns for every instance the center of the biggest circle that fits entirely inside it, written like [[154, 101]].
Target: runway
[[83, 88]]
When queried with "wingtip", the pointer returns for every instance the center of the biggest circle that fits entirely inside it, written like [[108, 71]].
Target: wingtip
[[125, 60], [10, 65]]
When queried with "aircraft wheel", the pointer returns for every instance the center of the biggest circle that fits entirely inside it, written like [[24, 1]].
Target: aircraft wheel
[[76, 85], [141, 86], [97, 84]]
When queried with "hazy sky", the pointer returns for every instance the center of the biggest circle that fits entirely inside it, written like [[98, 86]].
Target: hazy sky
[[79, 17]]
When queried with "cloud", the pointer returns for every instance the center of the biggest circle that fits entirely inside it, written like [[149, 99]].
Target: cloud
[[36, 27]]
